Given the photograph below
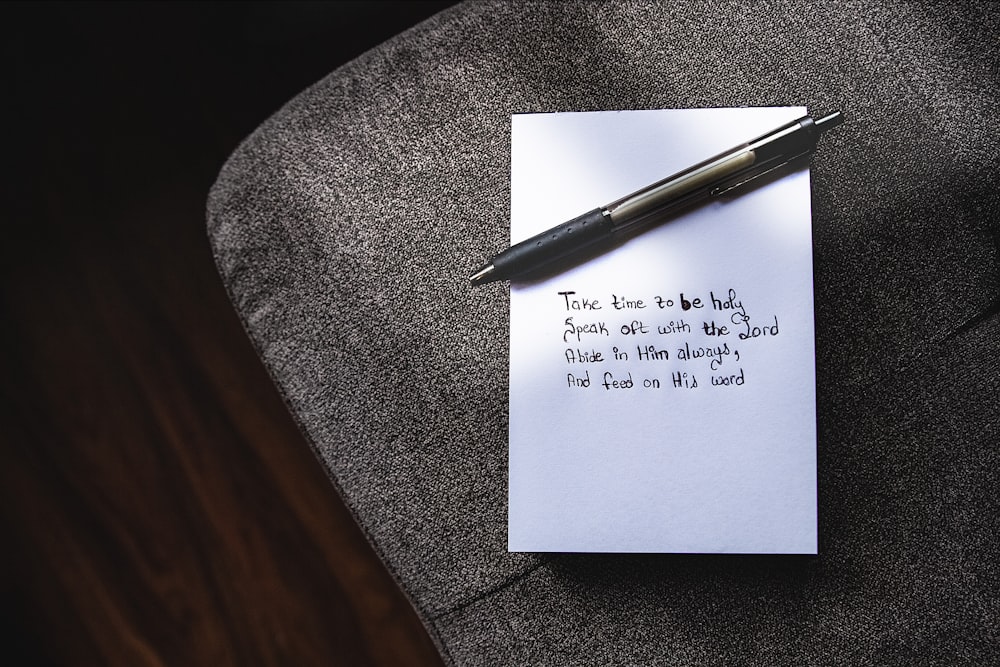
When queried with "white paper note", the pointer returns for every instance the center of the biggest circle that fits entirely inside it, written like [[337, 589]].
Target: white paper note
[[662, 395]]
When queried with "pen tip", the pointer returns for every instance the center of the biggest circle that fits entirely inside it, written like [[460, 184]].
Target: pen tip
[[483, 275]]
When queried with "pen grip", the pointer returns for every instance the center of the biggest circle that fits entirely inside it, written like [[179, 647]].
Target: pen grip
[[554, 244]]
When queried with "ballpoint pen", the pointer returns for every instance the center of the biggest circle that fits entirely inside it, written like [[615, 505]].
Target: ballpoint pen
[[716, 176]]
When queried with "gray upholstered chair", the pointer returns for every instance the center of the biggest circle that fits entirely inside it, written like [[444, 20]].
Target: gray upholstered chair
[[345, 229]]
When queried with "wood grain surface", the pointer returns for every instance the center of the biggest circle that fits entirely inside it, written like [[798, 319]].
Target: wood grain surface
[[159, 505]]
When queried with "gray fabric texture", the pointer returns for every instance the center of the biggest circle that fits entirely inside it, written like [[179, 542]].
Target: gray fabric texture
[[346, 226]]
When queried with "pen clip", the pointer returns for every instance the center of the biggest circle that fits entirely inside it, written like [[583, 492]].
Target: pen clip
[[729, 187]]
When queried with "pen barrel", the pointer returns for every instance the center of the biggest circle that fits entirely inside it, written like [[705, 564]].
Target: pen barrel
[[678, 190], [705, 179], [572, 236]]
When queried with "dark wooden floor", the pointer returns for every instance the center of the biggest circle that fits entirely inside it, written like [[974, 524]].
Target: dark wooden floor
[[159, 506]]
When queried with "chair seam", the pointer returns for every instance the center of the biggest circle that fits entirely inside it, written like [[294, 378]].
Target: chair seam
[[506, 583]]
